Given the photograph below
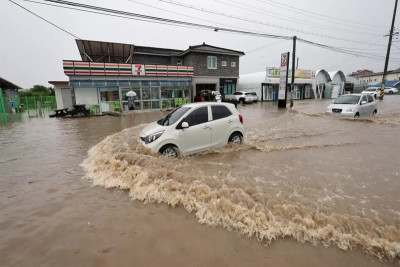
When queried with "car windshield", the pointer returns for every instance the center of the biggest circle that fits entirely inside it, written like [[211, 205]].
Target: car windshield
[[173, 116], [371, 89], [347, 99]]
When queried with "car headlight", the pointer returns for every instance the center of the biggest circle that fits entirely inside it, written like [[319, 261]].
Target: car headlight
[[152, 137], [350, 109], [328, 109]]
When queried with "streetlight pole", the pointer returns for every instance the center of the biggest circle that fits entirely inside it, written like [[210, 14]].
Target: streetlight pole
[[382, 92]]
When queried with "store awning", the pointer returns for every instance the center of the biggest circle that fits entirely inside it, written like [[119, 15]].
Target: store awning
[[106, 52]]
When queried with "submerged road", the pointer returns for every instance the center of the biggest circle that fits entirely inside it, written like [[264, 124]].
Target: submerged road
[[305, 189]]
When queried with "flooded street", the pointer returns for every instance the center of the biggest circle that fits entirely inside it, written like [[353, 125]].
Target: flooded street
[[304, 189]]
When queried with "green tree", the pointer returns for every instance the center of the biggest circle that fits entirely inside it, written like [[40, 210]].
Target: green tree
[[37, 90]]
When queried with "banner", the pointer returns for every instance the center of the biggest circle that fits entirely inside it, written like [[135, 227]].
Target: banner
[[299, 73]]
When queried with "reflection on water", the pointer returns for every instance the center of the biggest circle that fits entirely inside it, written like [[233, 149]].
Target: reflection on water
[[299, 174]]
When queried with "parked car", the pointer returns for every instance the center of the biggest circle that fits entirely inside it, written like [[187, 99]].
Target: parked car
[[354, 105], [254, 96], [376, 91], [193, 128], [239, 97], [391, 90]]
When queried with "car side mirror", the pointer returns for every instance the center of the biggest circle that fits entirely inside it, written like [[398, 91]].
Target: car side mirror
[[363, 102], [185, 125]]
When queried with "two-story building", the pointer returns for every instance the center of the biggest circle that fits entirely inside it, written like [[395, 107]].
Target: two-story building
[[161, 78]]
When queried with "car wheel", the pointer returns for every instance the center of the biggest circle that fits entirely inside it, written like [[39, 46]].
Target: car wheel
[[390, 92], [357, 115], [241, 101], [374, 113], [235, 138], [169, 151]]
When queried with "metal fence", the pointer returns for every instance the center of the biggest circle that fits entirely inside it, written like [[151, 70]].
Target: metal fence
[[33, 106]]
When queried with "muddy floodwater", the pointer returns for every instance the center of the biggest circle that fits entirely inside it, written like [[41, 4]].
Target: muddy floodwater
[[304, 189]]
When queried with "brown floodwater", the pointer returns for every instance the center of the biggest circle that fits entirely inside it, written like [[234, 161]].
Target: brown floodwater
[[304, 189]]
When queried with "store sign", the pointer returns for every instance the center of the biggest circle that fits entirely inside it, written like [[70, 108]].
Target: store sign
[[304, 74], [227, 81], [283, 76], [138, 70]]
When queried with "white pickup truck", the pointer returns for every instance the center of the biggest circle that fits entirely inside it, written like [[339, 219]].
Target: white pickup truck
[[240, 97]]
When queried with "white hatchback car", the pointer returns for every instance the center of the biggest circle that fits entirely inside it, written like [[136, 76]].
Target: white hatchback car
[[354, 105], [193, 128]]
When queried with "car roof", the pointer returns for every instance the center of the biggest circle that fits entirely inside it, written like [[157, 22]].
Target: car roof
[[199, 104]]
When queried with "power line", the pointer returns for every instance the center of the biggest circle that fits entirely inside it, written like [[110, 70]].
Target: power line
[[185, 15], [265, 46], [45, 20], [355, 56], [324, 16], [257, 22], [175, 22], [189, 24], [344, 51], [288, 18]]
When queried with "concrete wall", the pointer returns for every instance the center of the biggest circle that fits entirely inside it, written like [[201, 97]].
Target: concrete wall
[[86, 96], [151, 59]]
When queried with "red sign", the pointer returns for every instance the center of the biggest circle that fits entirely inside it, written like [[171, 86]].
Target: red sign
[[284, 59]]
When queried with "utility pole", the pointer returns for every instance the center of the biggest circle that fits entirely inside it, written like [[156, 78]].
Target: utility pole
[[382, 93], [293, 70]]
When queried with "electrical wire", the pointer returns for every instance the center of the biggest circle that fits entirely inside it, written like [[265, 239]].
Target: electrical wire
[[58, 27], [265, 46], [308, 13], [135, 16], [185, 15], [285, 17], [194, 25], [257, 22]]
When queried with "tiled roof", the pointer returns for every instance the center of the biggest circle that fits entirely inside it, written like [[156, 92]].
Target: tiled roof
[[157, 51], [204, 48]]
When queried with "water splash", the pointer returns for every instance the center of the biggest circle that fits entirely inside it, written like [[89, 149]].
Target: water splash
[[221, 199]]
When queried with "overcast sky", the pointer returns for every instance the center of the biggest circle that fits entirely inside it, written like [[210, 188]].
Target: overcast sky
[[32, 50]]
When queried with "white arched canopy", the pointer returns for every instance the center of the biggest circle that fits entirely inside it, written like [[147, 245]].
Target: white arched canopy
[[322, 76], [251, 81], [337, 77]]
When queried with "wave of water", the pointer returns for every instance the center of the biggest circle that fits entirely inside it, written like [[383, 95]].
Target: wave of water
[[221, 199]]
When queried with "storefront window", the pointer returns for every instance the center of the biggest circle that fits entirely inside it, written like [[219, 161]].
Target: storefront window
[[155, 97], [109, 99], [126, 99]]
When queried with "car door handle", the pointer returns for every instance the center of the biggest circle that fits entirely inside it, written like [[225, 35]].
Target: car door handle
[[206, 127], [229, 121]]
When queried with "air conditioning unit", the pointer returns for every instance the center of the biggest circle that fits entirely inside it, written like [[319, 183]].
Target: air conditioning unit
[[179, 62]]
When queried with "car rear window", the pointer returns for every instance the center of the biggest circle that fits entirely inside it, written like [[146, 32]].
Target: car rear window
[[220, 112]]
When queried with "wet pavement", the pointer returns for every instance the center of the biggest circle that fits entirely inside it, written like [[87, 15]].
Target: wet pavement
[[304, 189]]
